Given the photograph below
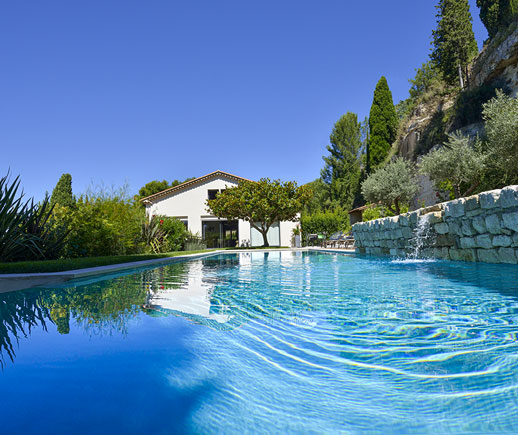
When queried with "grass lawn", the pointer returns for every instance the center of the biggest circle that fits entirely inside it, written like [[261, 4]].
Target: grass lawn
[[83, 263]]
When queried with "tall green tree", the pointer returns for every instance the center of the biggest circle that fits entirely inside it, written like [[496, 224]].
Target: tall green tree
[[62, 193], [454, 41], [496, 14], [383, 124], [341, 172]]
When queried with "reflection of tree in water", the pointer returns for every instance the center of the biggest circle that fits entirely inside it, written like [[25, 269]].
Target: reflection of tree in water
[[18, 315], [99, 308], [102, 307]]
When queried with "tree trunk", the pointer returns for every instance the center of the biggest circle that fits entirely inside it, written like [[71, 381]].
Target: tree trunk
[[460, 77], [265, 239], [396, 204], [471, 189], [456, 189]]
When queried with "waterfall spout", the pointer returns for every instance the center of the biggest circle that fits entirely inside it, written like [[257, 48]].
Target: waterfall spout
[[421, 238]]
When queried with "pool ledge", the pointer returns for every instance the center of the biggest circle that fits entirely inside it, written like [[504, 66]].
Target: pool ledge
[[19, 281]]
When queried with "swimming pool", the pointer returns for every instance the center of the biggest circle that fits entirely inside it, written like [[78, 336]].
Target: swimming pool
[[266, 342]]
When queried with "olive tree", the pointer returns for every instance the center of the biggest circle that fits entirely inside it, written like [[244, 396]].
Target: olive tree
[[501, 118], [459, 161], [261, 203], [393, 185]]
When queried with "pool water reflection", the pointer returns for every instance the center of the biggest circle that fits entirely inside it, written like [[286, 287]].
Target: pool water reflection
[[266, 342]]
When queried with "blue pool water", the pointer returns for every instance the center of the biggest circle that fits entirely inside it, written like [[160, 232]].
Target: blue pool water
[[278, 342]]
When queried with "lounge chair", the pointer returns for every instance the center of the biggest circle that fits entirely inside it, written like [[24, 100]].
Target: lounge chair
[[332, 241]]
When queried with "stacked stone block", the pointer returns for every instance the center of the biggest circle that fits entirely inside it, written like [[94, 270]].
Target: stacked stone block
[[482, 227]]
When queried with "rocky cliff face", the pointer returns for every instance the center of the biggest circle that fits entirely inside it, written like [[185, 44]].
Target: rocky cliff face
[[498, 61], [428, 125]]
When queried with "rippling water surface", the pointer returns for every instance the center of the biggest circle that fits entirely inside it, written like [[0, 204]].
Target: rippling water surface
[[297, 342]]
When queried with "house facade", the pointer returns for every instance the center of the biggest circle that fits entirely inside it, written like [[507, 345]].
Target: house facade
[[187, 202]]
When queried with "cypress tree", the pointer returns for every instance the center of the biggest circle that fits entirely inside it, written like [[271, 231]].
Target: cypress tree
[[62, 193], [383, 123], [453, 40], [342, 166]]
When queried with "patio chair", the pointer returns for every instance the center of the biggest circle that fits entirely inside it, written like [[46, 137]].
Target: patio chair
[[349, 242], [333, 240]]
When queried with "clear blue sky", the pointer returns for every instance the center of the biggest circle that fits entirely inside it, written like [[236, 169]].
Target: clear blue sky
[[119, 91]]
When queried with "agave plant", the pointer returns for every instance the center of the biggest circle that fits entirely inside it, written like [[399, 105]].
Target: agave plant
[[24, 230], [49, 239], [152, 233], [15, 216]]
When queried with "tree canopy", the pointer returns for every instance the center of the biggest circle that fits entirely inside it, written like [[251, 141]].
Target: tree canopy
[[458, 162], [156, 186], [261, 203], [383, 124], [62, 193], [501, 118], [496, 14], [341, 172], [454, 44], [393, 185]]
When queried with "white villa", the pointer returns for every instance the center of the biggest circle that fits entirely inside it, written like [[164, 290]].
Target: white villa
[[187, 202]]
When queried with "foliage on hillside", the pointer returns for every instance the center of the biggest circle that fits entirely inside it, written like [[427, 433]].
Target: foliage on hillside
[[497, 14], [501, 118], [460, 162], [454, 41]]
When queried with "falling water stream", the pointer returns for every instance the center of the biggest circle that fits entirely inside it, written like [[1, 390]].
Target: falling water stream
[[421, 238]]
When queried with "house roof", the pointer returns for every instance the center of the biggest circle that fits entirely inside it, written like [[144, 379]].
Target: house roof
[[192, 183], [363, 208]]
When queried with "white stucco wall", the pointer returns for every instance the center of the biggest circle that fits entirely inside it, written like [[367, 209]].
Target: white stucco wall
[[286, 232], [190, 204]]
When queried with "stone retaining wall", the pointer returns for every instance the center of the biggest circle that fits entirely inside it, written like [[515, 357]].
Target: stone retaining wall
[[482, 227]]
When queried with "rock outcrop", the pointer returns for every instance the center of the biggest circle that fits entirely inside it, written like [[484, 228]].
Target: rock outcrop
[[498, 61]]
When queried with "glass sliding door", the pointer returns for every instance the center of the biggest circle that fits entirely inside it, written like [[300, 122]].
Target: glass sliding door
[[229, 233], [211, 233], [220, 234]]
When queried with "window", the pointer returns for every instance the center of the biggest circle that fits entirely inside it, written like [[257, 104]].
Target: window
[[213, 193]]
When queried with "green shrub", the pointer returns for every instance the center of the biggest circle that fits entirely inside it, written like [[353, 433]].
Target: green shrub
[[102, 225], [324, 222], [175, 234], [469, 104]]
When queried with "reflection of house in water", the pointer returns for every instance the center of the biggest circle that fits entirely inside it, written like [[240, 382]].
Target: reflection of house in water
[[193, 297], [215, 292]]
